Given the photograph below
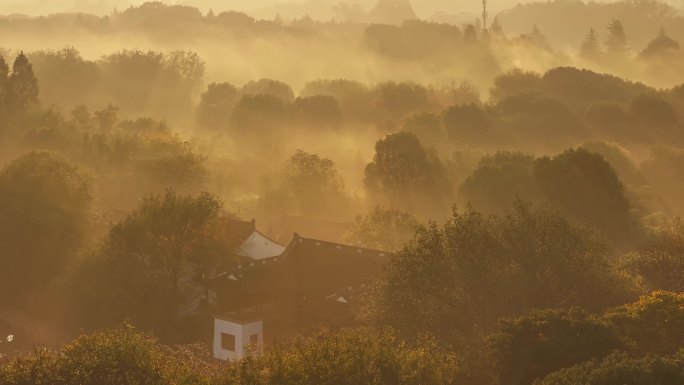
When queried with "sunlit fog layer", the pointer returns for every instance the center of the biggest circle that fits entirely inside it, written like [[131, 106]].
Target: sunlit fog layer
[[324, 192]]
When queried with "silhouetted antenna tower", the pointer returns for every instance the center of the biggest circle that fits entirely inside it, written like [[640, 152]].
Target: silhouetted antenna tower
[[485, 14]]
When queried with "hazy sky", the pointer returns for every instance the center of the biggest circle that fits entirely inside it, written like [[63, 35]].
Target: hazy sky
[[424, 8]]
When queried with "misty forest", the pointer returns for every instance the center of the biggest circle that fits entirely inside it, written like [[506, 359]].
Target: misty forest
[[342, 193]]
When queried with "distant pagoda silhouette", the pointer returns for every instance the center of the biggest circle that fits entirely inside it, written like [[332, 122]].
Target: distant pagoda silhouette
[[392, 12]]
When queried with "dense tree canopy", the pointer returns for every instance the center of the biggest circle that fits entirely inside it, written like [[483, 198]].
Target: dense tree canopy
[[588, 188], [468, 123], [321, 111], [111, 357], [269, 87], [499, 180], [407, 173], [134, 79], [258, 116], [344, 357], [542, 342], [148, 268], [400, 99], [306, 184], [652, 325], [45, 218], [216, 104], [661, 173], [458, 280], [66, 78], [374, 357], [653, 112], [383, 229], [622, 369], [660, 265], [540, 118]]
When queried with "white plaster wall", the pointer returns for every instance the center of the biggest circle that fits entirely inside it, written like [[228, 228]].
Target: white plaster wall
[[252, 328], [242, 332]]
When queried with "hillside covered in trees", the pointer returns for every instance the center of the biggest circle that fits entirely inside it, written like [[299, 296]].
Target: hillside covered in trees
[[524, 192]]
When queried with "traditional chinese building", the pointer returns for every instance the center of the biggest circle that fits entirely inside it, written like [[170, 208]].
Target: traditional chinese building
[[276, 291]]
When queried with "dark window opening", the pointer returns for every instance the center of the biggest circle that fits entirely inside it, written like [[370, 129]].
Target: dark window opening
[[228, 342]]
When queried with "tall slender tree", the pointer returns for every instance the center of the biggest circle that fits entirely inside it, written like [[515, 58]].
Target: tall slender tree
[[4, 72], [590, 49], [661, 45], [539, 39], [23, 84], [470, 34], [496, 28], [616, 43], [4, 84]]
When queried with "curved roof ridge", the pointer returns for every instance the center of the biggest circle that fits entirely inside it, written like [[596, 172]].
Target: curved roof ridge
[[291, 247], [329, 243]]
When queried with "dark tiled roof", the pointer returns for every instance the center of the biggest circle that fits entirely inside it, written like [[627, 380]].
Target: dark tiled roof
[[310, 226], [299, 246]]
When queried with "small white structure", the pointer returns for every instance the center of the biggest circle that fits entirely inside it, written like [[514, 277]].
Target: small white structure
[[258, 246], [232, 338]]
